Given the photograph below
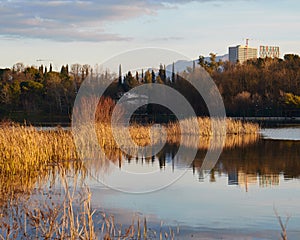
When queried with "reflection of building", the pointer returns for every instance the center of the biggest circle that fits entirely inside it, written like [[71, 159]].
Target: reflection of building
[[269, 180], [242, 179], [268, 51], [241, 53], [233, 178], [245, 179]]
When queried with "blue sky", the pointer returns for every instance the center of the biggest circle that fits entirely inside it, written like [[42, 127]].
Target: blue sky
[[91, 31]]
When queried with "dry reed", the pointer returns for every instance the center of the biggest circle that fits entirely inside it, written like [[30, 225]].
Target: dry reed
[[144, 135], [66, 214], [26, 155], [25, 151]]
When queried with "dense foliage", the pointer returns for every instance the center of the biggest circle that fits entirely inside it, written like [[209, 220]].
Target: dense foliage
[[259, 87]]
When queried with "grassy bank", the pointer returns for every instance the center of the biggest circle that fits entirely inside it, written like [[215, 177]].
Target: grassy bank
[[26, 154], [25, 148]]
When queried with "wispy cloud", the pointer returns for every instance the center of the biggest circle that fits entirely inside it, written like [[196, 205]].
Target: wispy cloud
[[68, 20], [64, 20]]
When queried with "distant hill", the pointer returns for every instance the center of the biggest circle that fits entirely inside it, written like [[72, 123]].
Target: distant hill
[[182, 65]]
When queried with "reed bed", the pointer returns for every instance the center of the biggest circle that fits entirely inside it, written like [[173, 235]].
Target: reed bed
[[29, 156], [204, 143], [26, 151], [26, 154], [23, 148], [144, 135], [231, 127]]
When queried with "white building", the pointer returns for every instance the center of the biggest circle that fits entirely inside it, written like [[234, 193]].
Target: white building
[[241, 53]]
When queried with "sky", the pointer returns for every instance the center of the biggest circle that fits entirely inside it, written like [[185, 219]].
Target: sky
[[92, 31]]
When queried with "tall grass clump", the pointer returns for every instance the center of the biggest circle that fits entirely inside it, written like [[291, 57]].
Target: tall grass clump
[[24, 148], [143, 135], [27, 155], [235, 127]]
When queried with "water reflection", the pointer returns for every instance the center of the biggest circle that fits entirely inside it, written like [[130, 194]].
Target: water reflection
[[245, 179], [244, 161], [246, 164], [287, 133]]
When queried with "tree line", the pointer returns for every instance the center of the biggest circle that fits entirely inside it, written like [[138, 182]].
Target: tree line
[[39, 92], [258, 87], [261, 87]]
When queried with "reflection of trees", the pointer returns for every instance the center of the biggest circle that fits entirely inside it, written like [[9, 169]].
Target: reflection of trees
[[266, 159], [202, 144], [246, 158]]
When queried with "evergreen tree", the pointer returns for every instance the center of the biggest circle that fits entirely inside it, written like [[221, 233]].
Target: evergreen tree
[[137, 75], [67, 69], [201, 61], [120, 74], [162, 72], [173, 72], [129, 81], [153, 76]]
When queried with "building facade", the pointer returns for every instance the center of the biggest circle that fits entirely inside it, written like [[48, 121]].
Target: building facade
[[241, 53], [269, 51]]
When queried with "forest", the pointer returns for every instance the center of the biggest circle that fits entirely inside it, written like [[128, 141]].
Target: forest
[[256, 88]]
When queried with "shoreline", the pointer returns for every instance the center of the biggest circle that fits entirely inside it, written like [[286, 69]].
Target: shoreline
[[263, 122]]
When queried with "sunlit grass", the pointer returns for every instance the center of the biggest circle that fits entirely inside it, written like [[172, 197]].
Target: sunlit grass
[[26, 151], [29, 156], [26, 154], [143, 135]]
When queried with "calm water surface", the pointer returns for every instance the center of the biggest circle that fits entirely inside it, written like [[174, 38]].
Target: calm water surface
[[234, 201]]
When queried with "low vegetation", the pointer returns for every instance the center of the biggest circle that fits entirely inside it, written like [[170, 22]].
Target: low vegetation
[[30, 157], [27, 154], [25, 149], [67, 213], [63, 214]]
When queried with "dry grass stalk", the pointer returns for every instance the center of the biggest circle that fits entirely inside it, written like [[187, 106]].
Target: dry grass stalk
[[283, 233], [69, 217], [26, 155]]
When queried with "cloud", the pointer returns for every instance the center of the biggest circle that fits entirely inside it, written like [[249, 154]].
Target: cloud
[[163, 39], [65, 20]]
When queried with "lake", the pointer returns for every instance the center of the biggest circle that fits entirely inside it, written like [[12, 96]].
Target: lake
[[255, 180], [236, 200]]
